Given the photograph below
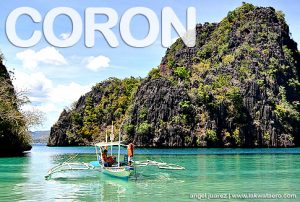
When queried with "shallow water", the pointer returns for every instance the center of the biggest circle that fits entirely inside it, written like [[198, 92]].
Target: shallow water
[[210, 171]]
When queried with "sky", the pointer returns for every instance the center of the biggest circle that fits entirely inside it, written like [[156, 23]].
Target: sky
[[54, 78]]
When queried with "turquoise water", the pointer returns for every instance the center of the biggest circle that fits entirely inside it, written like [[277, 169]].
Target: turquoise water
[[210, 171]]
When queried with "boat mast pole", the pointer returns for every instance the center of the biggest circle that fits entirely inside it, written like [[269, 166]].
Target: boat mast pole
[[119, 147], [111, 137], [106, 136], [120, 143]]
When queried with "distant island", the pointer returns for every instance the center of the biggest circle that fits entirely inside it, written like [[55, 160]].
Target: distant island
[[40, 137], [238, 87]]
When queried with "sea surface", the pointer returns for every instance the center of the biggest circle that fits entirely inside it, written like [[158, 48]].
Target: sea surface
[[215, 173]]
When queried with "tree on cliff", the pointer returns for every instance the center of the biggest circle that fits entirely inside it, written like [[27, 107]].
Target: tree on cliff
[[238, 87], [14, 122]]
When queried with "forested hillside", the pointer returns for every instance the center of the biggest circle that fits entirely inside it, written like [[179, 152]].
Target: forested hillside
[[238, 87]]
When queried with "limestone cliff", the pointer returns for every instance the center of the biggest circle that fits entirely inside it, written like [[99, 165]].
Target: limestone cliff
[[14, 137], [238, 87], [92, 115]]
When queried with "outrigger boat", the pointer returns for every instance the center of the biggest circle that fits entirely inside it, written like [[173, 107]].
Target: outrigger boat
[[115, 168], [118, 168]]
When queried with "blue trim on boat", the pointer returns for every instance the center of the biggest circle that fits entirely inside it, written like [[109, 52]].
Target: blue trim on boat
[[95, 163]]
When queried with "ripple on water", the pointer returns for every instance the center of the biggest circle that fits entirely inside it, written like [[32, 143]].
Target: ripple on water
[[207, 171]]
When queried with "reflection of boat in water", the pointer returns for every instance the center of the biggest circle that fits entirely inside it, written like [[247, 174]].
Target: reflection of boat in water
[[111, 165]]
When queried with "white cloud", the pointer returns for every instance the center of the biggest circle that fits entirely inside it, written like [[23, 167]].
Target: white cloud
[[48, 55], [67, 93], [36, 83], [97, 63], [46, 96], [47, 108], [64, 36], [42, 89]]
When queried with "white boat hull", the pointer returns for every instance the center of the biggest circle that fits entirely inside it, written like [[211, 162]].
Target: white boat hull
[[122, 172]]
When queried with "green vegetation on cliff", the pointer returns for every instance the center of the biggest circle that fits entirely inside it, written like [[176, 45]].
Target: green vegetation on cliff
[[14, 137], [245, 77], [238, 87], [93, 114]]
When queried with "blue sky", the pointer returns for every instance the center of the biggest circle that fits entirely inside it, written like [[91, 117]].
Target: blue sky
[[56, 77]]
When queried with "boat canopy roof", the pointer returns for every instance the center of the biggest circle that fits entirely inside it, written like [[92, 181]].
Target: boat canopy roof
[[103, 144]]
